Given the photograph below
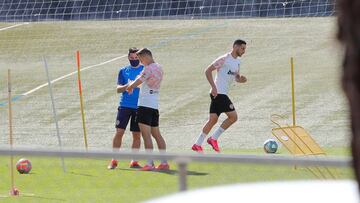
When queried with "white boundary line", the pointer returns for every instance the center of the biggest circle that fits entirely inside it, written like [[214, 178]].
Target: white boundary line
[[72, 73], [13, 26]]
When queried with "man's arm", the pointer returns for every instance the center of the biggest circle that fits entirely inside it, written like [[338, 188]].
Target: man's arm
[[209, 77], [240, 78], [121, 83], [133, 85], [121, 88]]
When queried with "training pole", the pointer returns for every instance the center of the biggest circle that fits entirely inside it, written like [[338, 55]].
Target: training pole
[[293, 90], [13, 191], [81, 97], [54, 111], [293, 94]]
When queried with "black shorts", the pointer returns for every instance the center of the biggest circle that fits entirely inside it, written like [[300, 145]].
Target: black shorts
[[221, 103], [147, 116], [122, 119]]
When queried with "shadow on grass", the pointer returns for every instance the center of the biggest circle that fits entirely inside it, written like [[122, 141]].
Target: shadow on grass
[[43, 198], [189, 173], [81, 174], [169, 172], [32, 196], [27, 174]]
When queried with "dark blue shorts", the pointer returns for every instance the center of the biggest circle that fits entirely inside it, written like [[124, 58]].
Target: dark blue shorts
[[123, 116]]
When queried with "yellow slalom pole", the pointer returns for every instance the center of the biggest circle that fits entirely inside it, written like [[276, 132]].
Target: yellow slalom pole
[[293, 90], [13, 191], [81, 97], [293, 94]]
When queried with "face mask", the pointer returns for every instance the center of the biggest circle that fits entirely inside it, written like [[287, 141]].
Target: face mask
[[134, 63]]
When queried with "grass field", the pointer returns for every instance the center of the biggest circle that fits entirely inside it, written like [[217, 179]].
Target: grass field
[[88, 180], [184, 48]]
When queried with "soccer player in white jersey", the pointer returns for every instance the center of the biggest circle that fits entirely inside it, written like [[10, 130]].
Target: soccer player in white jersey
[[227, 69], [147, 114]]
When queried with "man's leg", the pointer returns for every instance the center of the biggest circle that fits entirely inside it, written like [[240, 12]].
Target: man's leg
[[134, 128], [146, 134], [117, 140], [135, 147], [231, 119], [225, 105], [213, 118], [155, 132], [136, 141], [122, 119]]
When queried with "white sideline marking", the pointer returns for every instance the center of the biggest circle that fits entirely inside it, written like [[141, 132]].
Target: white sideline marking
[[72, 73], [13, 26]]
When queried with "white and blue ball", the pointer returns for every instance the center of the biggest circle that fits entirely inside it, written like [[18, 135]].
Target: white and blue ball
[[270, 146]]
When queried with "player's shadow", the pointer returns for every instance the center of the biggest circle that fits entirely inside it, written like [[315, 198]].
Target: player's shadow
[[80, 174], [189, 173], [169, 172], [28, 174], [48, 199]]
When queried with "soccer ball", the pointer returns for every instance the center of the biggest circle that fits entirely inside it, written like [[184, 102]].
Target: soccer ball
[[270, 146], [23, 166]]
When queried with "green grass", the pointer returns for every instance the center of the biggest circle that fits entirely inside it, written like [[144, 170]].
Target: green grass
[[333, 151], [184, 48], [88, 180]]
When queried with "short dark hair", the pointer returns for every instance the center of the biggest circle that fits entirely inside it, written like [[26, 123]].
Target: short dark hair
[[144, 51], [239, 42], [132, 50]]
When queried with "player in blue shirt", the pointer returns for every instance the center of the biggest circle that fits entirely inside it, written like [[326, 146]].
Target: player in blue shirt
[[127, 107]]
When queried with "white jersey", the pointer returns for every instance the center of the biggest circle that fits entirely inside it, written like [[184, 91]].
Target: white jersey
[[151, 76], [227, 68]]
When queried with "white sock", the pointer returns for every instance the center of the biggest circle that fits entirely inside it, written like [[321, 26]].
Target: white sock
[[150, 162], [201, 139], [163, 152], [114, 150], [217, 133], [135, 151]]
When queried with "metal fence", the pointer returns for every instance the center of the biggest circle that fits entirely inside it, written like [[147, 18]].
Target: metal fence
[[182, 159], [33, 10]]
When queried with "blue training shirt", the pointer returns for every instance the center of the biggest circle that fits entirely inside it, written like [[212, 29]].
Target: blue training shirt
[[127, 74]]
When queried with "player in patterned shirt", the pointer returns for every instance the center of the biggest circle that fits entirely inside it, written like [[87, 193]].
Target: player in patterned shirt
[[227, 69], [147, 113]]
